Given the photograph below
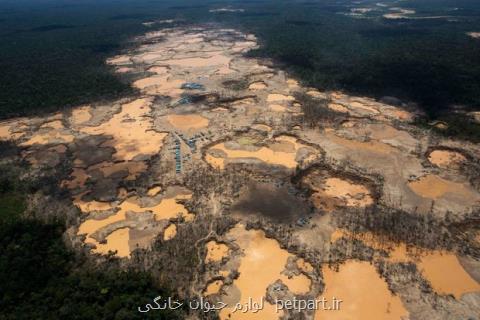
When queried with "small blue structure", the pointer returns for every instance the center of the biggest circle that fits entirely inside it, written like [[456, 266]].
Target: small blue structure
[[178, 157], [192, 86], [302, 222]]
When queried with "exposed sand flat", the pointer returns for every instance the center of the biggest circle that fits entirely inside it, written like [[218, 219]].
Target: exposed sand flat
[[446, 274], [170, 232], [277, 108], [262, 127], [261, 265], [197, 39], [5, 133], [475, 116], [55, 124], [159, 69], [154, 191], [187, 122], [337, 95], [277, 97], [213, 287], [297, 284], [385, 133], [220, 109], [349, 124], [223, 70], [116, 241], [122, 193], [316, 94], [215, 162], [161, 81], [243, 46], [215, 252], [475, 35], [265, 154], [292, 83], [402, 115], [338, 107], [363, 107], [434, 187], [131, 131], [89, 206], [167, 208], [124, 70], [371, 146], [399, 14], [330, 193], [259, 85], [446, 158], [170, 208], [91, 225], [364, 294], [226, 10], [201, 62], [80, 115], [119, 60], [353, 194], [160, 85]]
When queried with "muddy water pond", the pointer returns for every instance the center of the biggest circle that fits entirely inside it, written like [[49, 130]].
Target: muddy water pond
[[261, 264], [216, 251], [281, 151], [446, 158], [364, 295], [435, 187], [187, 122], [274, 203], [331, 192], [433, 265]]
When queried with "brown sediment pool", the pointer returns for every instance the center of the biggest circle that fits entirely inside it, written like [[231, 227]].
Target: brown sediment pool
[[131, 131], [433, 265], [213, 287], [186, 122], [330, 192], [116, 241], [268, 154], [170, 232], [434, 187], [216, 251], [364, 294], [261, 265], [446, 158], [167, 208]]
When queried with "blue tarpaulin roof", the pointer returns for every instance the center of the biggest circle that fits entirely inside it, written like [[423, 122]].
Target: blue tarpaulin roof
[[192, 86]]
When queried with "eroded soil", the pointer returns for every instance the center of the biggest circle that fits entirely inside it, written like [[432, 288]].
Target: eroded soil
[[205, 109]]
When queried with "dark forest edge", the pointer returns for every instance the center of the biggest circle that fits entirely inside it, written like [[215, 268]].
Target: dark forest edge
[[43, 279]]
